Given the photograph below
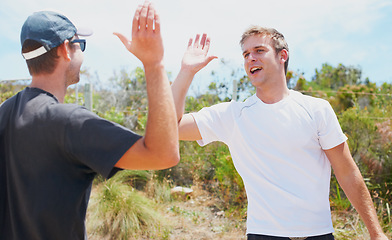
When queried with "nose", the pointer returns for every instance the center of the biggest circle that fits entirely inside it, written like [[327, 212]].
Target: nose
[[251, 57]]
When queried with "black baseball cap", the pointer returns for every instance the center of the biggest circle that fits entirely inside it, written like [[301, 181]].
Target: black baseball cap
[[50, 29]]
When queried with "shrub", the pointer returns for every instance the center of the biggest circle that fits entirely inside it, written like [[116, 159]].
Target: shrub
[[117, 211]]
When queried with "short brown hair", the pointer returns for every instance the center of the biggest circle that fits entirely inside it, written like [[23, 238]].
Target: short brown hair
[[45, 63], [278, 41]]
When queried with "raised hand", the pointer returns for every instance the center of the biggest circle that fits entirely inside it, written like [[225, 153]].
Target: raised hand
[[146, 43], [195, 57]]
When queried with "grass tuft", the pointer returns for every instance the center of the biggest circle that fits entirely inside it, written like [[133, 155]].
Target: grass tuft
[[117, 211]]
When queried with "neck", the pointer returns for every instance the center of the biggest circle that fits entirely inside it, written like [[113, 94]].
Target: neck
[[52, 83], [273, 92]]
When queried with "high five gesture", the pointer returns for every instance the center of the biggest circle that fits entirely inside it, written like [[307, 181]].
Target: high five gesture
[[146, 43]]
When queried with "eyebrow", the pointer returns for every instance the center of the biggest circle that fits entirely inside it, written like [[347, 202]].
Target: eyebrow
[[255, 47]]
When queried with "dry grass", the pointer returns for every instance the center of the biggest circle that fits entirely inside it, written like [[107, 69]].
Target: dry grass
[[198, 219], [349, 226], [117, 211]]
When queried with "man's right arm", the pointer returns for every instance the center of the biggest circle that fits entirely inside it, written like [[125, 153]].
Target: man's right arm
[[158, 148], [195, 58]]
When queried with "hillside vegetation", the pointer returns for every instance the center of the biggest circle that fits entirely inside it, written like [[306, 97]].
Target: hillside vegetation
[[139, 205]]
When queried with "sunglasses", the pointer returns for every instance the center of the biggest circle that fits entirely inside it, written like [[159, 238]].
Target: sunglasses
[[82, 43]]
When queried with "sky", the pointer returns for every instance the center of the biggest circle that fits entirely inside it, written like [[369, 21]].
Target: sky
[[351, 32]]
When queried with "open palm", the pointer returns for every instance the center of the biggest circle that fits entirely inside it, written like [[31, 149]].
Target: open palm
[[195, 57]]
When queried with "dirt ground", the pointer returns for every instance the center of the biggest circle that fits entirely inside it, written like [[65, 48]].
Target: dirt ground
[[196, 218]]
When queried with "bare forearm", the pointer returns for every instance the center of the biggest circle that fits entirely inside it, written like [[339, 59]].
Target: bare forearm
[[180, 88], [359, 196], [350, 179], [158, 149], [161, 130]]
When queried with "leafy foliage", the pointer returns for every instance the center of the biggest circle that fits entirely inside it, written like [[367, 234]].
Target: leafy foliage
[[119, 208], [336, 77], [9, 89]]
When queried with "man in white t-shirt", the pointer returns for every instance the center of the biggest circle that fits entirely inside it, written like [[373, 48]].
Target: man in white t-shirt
[[282, 143]]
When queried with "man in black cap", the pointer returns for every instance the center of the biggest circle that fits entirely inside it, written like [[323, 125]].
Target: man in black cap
[[50, 152]]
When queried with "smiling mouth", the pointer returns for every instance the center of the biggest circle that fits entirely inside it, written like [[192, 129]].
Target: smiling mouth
[[255, 69]]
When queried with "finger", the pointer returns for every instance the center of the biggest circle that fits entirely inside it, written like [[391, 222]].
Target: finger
[[123, 39], [210, 58], [135, 22], [157, 20], [196, 43], [207, 44], [143, 16], [203, 40], [190, 42], [150, 17]]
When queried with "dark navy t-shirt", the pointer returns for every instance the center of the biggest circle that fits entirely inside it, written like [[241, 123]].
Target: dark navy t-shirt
[[49, 156]]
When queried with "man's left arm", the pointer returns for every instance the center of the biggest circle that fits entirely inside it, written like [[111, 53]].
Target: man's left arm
[[352, 183]]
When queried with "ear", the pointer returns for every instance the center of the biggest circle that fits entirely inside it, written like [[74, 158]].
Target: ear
[[64, 50], [283, 55]]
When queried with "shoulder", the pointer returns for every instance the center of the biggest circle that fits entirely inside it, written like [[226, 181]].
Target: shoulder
[[316, 108], [307, 98], [6, 109], [67, 109], [73, 115], [6, 104], [308, 101], [11, 101], [218, 108], [233, 108]]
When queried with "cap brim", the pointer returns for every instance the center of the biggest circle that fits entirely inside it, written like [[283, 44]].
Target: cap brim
[[85, 32]]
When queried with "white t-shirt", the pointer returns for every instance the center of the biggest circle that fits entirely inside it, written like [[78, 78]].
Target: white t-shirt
[[278, 151]]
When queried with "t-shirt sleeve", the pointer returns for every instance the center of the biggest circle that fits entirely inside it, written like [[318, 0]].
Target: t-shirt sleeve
[[329, 131], [214, 123], [97, 143]]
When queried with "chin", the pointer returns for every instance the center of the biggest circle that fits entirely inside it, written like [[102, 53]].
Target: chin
[[74, 81], [255, 80]]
